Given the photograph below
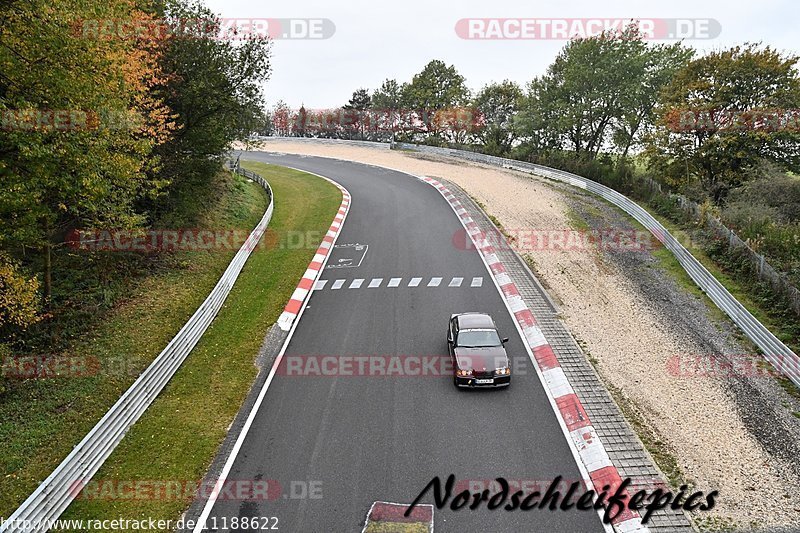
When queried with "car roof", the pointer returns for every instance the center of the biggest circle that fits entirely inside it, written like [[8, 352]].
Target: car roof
[[475, 320]]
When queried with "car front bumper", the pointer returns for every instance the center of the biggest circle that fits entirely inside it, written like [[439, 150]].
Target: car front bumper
[[473, 382]]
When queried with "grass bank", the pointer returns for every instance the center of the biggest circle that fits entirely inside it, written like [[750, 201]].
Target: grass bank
[[178, 436]]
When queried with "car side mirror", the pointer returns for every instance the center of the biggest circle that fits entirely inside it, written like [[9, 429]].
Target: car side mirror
[[505, 340]]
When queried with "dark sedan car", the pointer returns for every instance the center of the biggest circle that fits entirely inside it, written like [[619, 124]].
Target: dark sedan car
[[477, 351]]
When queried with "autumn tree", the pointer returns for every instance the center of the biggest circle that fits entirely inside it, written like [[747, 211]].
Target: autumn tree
[[723, 114], [80, 120]]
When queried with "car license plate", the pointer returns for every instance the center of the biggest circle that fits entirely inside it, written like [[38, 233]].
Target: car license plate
[[484, 381]]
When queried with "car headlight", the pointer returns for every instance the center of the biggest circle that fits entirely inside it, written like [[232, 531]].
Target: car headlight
[[503, 371], [460, 372]]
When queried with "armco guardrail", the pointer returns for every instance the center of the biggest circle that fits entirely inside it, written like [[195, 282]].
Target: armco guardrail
[[50, 499], [775, 351]]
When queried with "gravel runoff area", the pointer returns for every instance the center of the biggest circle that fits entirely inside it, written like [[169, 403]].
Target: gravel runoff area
[[644, 333]]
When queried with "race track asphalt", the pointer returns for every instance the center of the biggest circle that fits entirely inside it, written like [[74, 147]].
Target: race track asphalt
[[356, 439]]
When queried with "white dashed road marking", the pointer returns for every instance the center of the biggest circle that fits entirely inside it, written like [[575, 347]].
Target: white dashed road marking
[[396, 283]]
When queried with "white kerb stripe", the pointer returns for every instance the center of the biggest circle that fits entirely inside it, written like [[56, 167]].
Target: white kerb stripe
[[557, 382], [299, 294], [318, 258], [534, 336], [285, 320], [502, 279], [590, 448], [632, 525], [516, 303]]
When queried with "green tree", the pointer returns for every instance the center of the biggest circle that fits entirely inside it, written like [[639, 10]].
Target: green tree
[[215, 91], [599, 93], [496, 105], [387, 101], [653, 68], [435, 88], [355, 111], [716, 119]]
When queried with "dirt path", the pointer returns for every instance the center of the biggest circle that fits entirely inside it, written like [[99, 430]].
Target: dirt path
[[636, 338]]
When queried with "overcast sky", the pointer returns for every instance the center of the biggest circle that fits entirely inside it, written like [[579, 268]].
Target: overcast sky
[[376, 40]]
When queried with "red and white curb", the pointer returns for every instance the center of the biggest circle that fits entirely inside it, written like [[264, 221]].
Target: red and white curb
[[592, 453], [314, 269], [389, 516]]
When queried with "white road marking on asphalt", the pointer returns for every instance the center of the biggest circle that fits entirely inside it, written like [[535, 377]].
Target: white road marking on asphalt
[[434, 282], [456, 282], [376, 282], [414, 282], [476, 282], [320, 284], [394, 282], [337, 284], [356, 284]]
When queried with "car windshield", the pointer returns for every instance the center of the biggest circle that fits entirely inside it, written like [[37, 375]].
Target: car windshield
[[478, 338]]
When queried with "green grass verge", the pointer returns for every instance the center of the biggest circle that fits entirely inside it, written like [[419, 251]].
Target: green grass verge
[[740, 290], [178, 436]]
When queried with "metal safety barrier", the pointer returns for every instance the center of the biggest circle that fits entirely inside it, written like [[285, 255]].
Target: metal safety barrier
[[776, 352], [55, 494]]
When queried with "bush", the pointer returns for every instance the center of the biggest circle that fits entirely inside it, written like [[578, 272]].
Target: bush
[[766, 212]]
